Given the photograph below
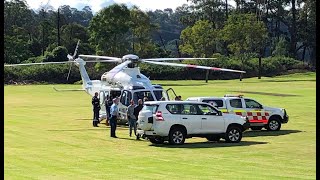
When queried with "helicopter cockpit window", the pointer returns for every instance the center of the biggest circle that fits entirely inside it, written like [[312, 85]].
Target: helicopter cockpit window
[[158, 94], [125, 98], [115, 93], [142, 95]]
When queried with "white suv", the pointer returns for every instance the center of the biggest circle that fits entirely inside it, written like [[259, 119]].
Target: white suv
[[177, 120]]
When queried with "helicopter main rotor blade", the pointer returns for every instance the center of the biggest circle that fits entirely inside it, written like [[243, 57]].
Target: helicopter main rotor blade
[[100, 57], [61, 62], [101, 61], [29, 64], [193, 66], [175, 59]]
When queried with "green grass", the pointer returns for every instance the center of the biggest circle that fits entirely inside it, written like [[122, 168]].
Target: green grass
[[49, 135]]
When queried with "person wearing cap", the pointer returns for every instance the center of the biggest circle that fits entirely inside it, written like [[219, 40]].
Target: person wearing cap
[[114, 114]]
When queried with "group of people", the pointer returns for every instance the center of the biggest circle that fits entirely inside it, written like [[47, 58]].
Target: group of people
[[112, 113]]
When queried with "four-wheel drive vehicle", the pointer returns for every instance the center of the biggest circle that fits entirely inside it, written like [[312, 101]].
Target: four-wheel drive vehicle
[[174, 121], [259, 116]]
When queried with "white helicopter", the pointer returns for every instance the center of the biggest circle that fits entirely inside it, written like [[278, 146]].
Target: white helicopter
[[125, 80]]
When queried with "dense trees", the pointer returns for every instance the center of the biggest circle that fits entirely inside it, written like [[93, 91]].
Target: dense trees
[[204, 28]]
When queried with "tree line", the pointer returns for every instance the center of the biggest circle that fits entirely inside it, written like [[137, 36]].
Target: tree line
[[206, 28]]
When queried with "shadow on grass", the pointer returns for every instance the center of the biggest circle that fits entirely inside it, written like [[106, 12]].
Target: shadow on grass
[[171, 84], [269, 133], [84, 119], [282, 80], [289, 80], [209, 144], [101, 127]]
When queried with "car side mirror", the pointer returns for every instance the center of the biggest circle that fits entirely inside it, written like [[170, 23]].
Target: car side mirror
[[261, 107], [219, 113]]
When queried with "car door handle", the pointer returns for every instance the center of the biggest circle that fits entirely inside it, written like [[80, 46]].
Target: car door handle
[[184, 118], [203, 118]]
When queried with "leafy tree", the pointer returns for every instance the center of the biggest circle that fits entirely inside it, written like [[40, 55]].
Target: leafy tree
[[245, 35], [306, 29], [212, 10], [141, 28], [280, 47], [199, 40], [108, 29], [60, 53]]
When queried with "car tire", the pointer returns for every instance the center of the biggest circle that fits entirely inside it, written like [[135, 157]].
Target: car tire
[[213, 138], [273, 125], [256, 128], [156, 140], [233, 134], [177, 136]]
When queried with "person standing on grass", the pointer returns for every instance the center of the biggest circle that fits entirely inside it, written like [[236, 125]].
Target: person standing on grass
[[114, 113], [96, 108], [108, 103], [138, 108], [132, 118]]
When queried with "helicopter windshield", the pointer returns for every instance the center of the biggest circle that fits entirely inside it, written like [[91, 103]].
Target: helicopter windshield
[[142, 95], [158, 94]]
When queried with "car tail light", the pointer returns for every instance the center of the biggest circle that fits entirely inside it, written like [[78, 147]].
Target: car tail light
[[159, 116]]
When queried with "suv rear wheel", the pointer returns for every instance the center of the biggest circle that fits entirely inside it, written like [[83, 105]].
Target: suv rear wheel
[[177, 136], [233, 134]]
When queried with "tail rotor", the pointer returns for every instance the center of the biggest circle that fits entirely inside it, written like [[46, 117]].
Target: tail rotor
[[72, 58]]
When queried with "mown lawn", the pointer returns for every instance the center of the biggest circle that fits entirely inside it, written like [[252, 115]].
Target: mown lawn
[[49, 135]]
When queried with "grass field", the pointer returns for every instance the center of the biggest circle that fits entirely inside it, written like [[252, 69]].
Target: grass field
[[49, 135]]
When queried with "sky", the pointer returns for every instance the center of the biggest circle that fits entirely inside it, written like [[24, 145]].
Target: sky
[[96, 5]]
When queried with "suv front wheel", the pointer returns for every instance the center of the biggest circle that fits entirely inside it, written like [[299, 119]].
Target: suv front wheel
[[273, 125], [177, 136], [233, 134]]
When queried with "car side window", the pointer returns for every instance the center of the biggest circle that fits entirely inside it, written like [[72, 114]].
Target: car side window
[[207, 110], [252, 103], [189, 109], [236, 103], [174, 108], [214, 102]]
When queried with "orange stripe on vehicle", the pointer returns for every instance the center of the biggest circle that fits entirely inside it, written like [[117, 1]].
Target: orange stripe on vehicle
[[259, 121]]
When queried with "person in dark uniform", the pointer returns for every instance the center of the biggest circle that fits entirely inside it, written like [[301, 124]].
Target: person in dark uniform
[[108, 103], [96, 108], [136, 111]]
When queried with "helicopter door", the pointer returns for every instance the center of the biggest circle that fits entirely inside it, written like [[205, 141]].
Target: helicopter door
[[125, 98], [172, 94], [102, 96]]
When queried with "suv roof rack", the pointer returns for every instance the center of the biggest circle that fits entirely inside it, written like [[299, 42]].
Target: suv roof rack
[[233, 95]]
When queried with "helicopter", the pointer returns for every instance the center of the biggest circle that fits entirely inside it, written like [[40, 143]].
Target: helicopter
[[125, 80]]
